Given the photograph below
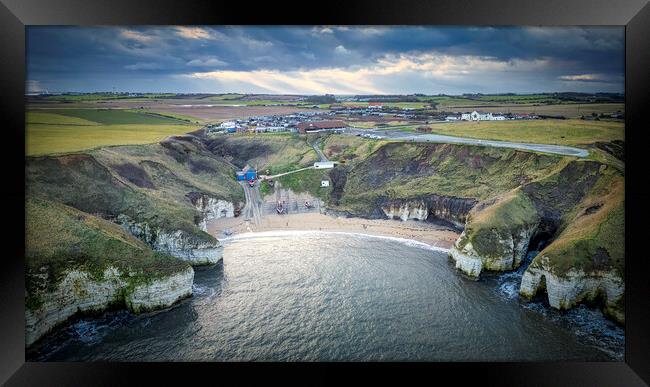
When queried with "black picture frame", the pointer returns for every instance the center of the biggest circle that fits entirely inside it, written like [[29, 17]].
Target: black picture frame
[[633, 14]]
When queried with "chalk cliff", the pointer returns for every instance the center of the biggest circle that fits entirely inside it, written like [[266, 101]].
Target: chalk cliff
[[78, 292]]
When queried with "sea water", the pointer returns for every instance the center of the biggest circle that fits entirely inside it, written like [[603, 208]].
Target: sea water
[[310, 296]]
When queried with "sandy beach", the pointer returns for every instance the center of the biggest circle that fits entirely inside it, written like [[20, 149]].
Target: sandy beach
[[431, 234]]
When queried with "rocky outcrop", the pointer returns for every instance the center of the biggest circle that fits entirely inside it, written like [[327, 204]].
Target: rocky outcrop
[[179, 243], [80, 292], [511, 247], [576, 286], [496, 236], [211, 208], [447, 208]]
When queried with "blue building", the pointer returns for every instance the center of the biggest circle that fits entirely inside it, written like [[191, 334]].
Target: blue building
[[246, 174]]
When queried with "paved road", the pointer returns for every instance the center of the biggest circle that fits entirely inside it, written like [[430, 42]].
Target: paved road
[[287, 173], [253, 208], [407, 136], [316, 146]]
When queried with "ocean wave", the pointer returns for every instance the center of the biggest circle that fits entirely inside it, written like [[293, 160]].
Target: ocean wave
[[285, 233]]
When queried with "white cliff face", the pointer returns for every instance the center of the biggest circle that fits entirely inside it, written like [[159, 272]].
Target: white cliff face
[[161, 293], [564, 292], [466, 259], [450, 209], [513, 247], [79, 292], [211, 208], [178, 243], [406, 211]]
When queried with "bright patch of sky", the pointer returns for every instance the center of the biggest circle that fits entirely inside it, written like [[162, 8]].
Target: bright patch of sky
[[325, 59]]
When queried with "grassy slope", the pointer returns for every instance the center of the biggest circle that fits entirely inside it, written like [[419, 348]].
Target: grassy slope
[[594, 236], [276, 153], [148, 183], [404, 170], [52, 131], [346, 148], [173, 169], [307, 181], [561, 132], [59, 238]]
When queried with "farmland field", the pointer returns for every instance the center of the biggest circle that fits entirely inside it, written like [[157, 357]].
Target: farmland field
[[67, 130], [109, 116], [401, 105], [223, 113], [177, 109], [560, 132], [48, 139], [569, 110]]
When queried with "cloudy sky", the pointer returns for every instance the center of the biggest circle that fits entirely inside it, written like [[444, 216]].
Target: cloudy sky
[[325, 59]]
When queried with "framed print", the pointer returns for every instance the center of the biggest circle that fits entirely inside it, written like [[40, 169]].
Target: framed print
[[222, 188]]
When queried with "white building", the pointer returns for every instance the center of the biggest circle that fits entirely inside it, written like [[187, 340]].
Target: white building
[[476, 116], [324, 164], [451, 118], [324, 183], [228, 124]]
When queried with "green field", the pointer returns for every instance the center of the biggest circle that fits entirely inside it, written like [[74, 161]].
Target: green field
[[104, 96], [109, 116], [51, 131], [560, 132], [175, 116]]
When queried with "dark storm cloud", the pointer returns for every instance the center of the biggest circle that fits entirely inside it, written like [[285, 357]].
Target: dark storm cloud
[[360, 59]]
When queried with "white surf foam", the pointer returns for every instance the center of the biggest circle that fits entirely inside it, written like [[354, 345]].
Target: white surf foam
[[284, 233]]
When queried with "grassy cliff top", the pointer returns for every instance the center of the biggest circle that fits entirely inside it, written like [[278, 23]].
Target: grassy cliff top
[[406, 170], [594, 237], [59, 238], [347, 149], [498, 218], [560, 132]]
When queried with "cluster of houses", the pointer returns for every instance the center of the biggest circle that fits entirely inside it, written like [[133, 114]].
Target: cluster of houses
[[297, 122], [476, 116], [309, 122]]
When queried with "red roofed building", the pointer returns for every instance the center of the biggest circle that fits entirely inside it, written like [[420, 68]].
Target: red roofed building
[[306, 127], [375, 105]]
